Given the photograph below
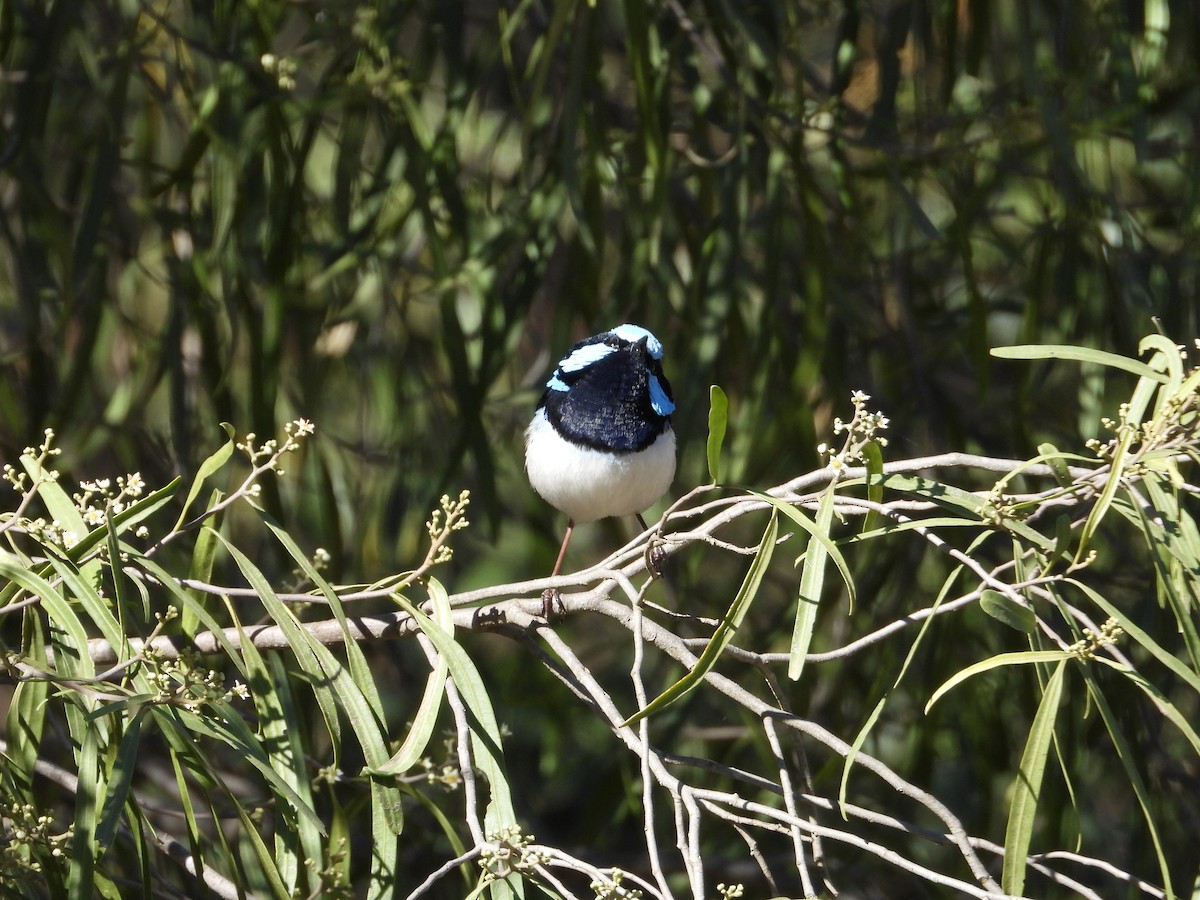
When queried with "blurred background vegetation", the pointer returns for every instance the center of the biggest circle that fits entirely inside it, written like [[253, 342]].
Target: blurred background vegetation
[[391, 217]]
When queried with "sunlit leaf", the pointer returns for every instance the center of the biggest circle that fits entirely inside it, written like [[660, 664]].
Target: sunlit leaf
[[718, 413], [1027, 786], [725, 630]]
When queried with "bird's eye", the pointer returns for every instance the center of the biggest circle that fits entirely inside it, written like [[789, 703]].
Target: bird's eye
[[613, 341]]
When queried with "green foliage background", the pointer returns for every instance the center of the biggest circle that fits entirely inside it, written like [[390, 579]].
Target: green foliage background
[[391, 217]]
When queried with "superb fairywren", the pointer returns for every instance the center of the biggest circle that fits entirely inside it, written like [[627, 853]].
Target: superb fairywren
[[600, 443]]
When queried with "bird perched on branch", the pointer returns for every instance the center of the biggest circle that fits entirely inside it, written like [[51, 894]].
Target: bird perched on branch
[[600, 443]]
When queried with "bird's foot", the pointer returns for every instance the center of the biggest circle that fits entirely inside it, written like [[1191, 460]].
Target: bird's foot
[[656, 556], [551, 598]]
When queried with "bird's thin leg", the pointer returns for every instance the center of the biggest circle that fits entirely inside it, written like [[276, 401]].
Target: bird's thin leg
[[550, 596], [562, 552], [641, 521]]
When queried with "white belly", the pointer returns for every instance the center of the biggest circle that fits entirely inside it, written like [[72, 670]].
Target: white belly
[[587, 484]]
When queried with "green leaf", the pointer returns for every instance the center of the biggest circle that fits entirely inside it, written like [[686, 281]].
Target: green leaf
[[211, 465], [222, 723], [70, 639], [1126, 755], [725, 629], [718, 418], [811, 528], [360, 671], [485, 730], [1139, 634], [26, 718], [425, 721], [1080, 354], [59, 504], [957, 501], [123, 767], [204, 554], [1164, 706], [859, 739], [1057, 463], [1005, 609], [1021, 658], [1167, 353], [1027, 786], [1133, 415], [812, 582], [89, 786], [330, 676], [873, 458]]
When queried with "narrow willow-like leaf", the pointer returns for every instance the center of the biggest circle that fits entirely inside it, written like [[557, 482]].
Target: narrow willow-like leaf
[[66, 629], [1027, 786], [124, 764], [810, 527], [387, 820], [424, 722], [1128, 762], [1175, 549], [328, 673], [295, 759], [1160, 653], [89, 786], [1021, 658], [210, 466], [1167, 353], [121, 598], [861, 737], [222, 723], [896, 527], [873, 459], [285, 751], [105, 888], [83, 547], [303, 646], [1057, 463], [58, 502], [1081, 354], [485, 729], [333, 680], [718, 420], [1005, 609], [251, 838], [25, 721], [204, 554], [1160, 701], [812, 582], [1134, 412], [958, 501], [98, 610], [725, 629], [179, 763], [360, 671]]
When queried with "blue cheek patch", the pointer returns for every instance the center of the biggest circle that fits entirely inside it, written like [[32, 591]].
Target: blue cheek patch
[[659, 400], [557, 384]]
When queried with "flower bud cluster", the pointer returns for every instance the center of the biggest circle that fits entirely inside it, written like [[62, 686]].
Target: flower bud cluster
[[862, 429]]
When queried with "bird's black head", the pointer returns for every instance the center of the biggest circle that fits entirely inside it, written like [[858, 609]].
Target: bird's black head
[[609, 392]]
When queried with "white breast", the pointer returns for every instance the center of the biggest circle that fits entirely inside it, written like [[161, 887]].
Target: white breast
[[588, 484]]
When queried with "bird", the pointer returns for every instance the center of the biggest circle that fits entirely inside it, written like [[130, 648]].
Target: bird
[[601, 443]]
